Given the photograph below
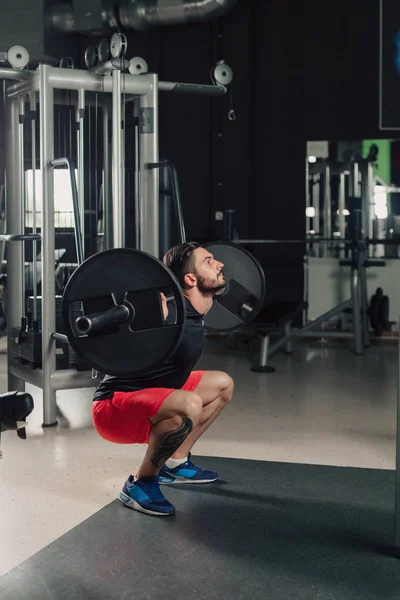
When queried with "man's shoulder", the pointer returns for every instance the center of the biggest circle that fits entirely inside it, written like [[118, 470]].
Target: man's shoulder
[[191, 311]]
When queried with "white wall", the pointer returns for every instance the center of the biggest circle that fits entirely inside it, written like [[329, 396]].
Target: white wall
[[329, 284]]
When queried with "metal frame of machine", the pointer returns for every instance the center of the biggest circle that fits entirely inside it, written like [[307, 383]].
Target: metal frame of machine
[[39, 87]]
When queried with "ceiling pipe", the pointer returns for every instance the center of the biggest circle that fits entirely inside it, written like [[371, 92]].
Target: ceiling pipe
[[142, 15]]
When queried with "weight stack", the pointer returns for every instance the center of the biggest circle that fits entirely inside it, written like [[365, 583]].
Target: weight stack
[[28, 347], [75, 361], [29, 311]]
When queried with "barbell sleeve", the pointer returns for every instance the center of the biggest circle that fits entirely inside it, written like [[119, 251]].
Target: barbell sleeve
[[96, 321]]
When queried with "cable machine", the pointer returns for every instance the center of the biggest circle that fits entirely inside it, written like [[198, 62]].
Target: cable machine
[[103, 93]]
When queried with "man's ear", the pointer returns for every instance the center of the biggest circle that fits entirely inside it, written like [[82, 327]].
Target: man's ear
[[190, 280]]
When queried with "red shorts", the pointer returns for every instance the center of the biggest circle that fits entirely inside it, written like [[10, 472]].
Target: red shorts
[[124, 418]]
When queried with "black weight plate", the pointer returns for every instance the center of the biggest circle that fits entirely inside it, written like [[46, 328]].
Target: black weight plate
[[136, 346], [244, 296]]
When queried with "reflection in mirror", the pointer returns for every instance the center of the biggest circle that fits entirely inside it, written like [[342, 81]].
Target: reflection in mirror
[[353, 189]]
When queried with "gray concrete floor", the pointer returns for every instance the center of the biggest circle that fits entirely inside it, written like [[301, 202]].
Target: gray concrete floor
[[323, 405]]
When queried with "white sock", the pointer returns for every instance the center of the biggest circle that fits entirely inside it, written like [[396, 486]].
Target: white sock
[[172, 463]]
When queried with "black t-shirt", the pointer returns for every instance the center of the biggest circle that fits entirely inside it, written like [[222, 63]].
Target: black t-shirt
[[174, 372]]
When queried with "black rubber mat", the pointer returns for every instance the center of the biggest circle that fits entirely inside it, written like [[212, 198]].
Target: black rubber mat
[[267, 531]]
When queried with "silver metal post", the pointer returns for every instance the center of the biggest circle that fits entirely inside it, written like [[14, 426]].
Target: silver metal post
[[315, 201], [397, 498], [356, 304], [289, 343], [368, 201], [327, 230], [149, 178], [370, 209], [355, 180], [3, 222], [308, 204], [80, 116], [136, 109], [19, 75], [48, 245], [117, 196], [123, 137], [75, 79], [21, 164], [107, 195], [262, 366], [364, 300], [306, 292], [34, 205], [15, 261], [341, 208], [316, 182], [264, 351], [59, 162], [19, 237]]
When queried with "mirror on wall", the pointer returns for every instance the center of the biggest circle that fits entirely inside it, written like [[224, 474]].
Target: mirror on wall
[[347, 180]]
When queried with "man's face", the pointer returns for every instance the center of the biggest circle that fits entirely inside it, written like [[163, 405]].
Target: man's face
[[208, 272]]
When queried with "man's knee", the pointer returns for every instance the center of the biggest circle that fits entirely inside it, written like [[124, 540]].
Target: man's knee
[[227, 386], [189, 405], [180, 404]]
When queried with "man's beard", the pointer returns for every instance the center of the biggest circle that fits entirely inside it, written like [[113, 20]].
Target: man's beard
[[210, 287]]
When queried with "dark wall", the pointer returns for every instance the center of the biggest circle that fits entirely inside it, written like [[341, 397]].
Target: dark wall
[[303, 71], [300, 74], [315, 77], [211, 152]]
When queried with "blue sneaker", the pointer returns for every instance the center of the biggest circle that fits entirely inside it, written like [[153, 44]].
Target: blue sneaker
[[145, 496], [187, 472]]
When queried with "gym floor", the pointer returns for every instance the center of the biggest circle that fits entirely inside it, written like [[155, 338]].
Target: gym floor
[[322, 406]]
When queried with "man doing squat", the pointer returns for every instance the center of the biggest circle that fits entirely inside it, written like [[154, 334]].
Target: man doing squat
[[172, 406]]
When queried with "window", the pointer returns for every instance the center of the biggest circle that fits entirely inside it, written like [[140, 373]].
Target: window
[[63, 207], [380, 202]]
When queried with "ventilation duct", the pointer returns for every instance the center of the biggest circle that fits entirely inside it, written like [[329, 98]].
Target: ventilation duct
[[144, 14], [140, 15]]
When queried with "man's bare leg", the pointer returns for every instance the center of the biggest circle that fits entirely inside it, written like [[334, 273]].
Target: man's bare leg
[[216, 390], [175, 420]]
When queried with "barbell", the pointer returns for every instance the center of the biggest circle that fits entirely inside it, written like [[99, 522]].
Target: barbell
[[112, 309]]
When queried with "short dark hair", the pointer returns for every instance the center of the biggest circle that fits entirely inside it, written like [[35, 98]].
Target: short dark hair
[[180, 260]]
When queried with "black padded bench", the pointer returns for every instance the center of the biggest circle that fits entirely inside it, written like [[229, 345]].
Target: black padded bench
[[275, 318]]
